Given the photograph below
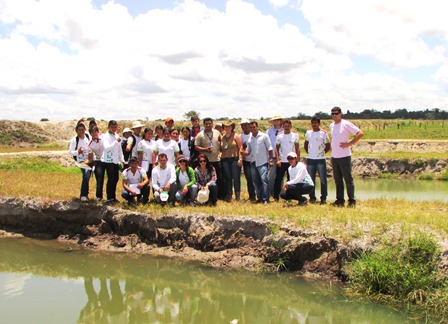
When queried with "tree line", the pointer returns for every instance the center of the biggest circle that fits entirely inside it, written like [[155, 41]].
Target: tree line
[[428, 114]]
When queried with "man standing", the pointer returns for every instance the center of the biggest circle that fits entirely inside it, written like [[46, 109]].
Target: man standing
[[299, 182], [273, 132], [245, 138], [78, 149], [137, 130], [341, 159], [260, 149], [135, 183], [208, 142], [112, 159], [317, 144], [163, 179]]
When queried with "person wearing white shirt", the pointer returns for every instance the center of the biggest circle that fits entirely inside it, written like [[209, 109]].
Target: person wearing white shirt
[[245, 138], [164, 180], [167, 146], [113, 160], [136, 131], [299, 182], [145, 151], [317, 143], [273, 132], [341, 156], [95, 150], [135, 183], [287, 142], [78, 149]]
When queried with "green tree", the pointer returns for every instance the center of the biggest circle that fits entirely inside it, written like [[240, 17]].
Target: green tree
[[190, 113]]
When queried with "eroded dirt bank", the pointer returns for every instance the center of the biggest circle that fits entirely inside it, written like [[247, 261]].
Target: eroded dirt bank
[[238, 242]]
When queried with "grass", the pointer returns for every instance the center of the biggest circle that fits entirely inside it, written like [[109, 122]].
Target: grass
[[405, 271]]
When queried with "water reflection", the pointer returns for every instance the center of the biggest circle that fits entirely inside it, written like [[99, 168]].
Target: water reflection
[[120, 288]]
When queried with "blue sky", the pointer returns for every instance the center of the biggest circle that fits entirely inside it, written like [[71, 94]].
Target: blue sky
[[129, 59]]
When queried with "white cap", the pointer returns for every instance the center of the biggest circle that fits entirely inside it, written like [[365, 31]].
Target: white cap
[[292, 154], [244, 121], [127, 130]]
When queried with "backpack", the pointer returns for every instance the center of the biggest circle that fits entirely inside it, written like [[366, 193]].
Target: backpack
[[124, 143], [76, 146]]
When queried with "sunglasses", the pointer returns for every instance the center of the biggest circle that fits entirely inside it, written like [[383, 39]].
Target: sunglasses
[[334, 113], [290, 158], [182, 161], [202, 161]]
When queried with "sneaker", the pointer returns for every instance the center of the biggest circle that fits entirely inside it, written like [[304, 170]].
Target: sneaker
[[323, 202], [338, 203], [303, 203], [98, 199], [266, 202], [276, 199], [313, 200], [111, 201], [84, 198]]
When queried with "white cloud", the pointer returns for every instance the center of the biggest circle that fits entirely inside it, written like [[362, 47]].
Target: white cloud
[[61, 59]]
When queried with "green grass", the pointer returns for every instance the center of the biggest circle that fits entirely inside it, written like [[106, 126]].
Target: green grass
[[34, 164], [404, 271]]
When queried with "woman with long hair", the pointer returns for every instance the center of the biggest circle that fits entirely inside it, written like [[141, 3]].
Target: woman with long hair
[[206, 178], [145, 149], [167, 146]]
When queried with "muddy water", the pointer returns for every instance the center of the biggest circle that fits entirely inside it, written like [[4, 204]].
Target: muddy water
[[45, 282]]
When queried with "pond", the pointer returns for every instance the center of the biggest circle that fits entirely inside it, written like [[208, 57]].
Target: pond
[[46, 282]]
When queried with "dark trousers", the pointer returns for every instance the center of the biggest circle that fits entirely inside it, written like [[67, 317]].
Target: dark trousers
[[99, 176], [112, 180], [220, 181], [296, 191], [248, 176], [143, 196], [342, 171], [84, 192], [279, 175]]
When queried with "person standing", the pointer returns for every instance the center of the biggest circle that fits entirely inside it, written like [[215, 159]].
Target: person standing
[[273, 132], [145, 151], [245, 138], [261, 155], [317, 143], [299, 182], [287, 142], [136, 131], [208, 142], [231, 160], [167, 146], [112, 159], [341, 159], [95, 151], [78, 149]]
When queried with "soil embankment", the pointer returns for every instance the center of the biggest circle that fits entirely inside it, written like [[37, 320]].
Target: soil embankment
[[224, 242]]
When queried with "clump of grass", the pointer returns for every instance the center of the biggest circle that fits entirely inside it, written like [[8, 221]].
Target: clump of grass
[[444, 175], [426, 176], [406, 271], [34, 164]]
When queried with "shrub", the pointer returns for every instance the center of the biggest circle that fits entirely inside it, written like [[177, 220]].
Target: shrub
[[44, 119], [426, 176]]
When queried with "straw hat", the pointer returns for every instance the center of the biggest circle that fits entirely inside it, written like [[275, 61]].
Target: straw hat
[[136, 124], [229, 123], [276, 117], [203, 196]]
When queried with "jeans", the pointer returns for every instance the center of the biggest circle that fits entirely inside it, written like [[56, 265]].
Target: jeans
[[260, 180], [342, 171], [112, 180], [99, 176], [220, 181], [231, 172], [280, 174], [144, 195], [192, 193], [85, 182], [319, 165], [250, 183], [272, 175], [295, 191]]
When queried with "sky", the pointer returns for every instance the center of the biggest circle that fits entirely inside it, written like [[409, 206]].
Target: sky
[[151, 59]]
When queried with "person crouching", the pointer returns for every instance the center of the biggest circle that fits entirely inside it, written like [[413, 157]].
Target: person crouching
[[299, 183], [135, 183]]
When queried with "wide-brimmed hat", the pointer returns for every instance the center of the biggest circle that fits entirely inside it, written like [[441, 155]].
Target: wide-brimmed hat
[[203, 196], [229, 123], [137, 124], [127, 130], [276, 117], [181, 157], [244, 121]]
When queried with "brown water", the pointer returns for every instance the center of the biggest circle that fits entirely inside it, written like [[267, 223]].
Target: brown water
[[44, 282]]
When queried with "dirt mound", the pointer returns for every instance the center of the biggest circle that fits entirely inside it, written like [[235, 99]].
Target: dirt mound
[[22, 134]]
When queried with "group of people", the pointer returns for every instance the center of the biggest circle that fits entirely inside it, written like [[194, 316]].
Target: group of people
[[203, 164]]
